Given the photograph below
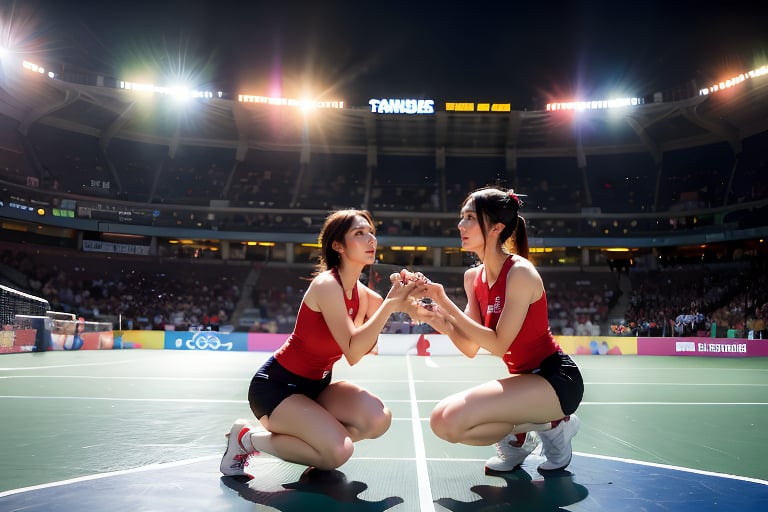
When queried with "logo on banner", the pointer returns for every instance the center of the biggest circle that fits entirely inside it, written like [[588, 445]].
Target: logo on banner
[[203, 340]]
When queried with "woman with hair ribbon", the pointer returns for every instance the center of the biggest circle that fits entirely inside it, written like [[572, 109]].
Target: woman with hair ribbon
[[506, 314]]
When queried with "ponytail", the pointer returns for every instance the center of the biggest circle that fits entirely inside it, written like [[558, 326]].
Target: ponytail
[[516, 242], [521, 238], [494, 205]]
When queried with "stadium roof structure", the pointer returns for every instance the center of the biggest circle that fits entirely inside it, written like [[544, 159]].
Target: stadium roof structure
[[105, 112]]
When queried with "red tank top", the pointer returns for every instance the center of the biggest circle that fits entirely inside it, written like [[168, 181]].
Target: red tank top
[[534, 342], [311, 350]]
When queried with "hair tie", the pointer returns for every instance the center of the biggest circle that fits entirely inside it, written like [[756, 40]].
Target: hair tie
[[512, 195]]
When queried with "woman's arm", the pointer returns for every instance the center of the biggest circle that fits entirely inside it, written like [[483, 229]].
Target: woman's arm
[[356, 341], [465, 328], [444, 312], [446, 324]]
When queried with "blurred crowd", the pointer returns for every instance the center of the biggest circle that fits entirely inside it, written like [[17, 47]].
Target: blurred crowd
[[135, 295], [723, 300]]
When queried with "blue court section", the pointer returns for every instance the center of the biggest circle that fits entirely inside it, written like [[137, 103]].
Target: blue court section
[[143, 431], [590, 484]]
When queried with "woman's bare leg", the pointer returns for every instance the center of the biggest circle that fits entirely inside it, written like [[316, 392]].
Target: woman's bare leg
[[300, 430], [321, 433], [483, 415], [362, 413]]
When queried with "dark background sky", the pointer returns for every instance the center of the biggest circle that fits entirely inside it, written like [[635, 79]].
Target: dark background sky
[[520, 52]]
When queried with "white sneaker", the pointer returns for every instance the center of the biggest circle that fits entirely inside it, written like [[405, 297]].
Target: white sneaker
[[556, 444], [510, 455], [235, 458]]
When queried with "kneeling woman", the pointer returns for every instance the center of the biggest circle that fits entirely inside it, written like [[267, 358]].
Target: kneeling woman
[[305, 417], [506, 314]]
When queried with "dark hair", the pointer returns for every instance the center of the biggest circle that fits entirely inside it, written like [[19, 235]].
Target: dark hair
[[336, 226], [494, 205]]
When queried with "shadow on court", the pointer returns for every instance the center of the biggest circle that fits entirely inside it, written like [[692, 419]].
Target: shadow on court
[[522, 494], [332, 490], [592, 484], [314, 490]]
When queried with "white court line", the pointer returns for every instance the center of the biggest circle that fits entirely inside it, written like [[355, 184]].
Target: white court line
[[425, 488], [632, 368], [54, 367], [673, 403], [412, 401], [672, 384], [129, 377], [112, 399], [615, 403], [608, 403], [97, 476], [362, 381], [675, 468]]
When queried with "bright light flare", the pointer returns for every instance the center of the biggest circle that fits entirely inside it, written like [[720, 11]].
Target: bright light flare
[[594, 104], [179, 92], [291, 102], [307, 105], [734, 81], [31, 66]]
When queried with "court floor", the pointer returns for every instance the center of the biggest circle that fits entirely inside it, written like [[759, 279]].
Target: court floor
[[143, 430]]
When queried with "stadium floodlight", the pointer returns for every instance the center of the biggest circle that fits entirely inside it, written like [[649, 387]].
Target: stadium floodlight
[[33, 67], [603, 104], [179, 92], [207, 95], [307, 105], [734, 81], [291, 102]]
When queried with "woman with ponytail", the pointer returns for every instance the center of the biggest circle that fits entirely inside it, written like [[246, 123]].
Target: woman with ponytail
[[506, 314]]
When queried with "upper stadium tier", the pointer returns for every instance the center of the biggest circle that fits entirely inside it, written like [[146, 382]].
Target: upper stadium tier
[[438, 128], [137, 155]]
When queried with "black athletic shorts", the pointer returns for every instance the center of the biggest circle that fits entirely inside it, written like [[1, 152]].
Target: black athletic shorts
[[564, 376], [273, 383]]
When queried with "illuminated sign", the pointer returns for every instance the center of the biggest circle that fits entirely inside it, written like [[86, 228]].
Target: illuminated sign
[[479, 107], [402, 106], [60, 212], [63, 208], [22, 207]]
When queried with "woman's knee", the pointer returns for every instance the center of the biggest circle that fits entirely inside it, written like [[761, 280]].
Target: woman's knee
[[336, 455], [380, 423], [444, 425]]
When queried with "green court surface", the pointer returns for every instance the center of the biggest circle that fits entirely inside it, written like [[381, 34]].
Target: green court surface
[[146, 427]]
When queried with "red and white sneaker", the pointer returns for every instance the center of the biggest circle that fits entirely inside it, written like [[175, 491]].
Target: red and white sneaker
[[556, 444], [235, 458], [511, 453]]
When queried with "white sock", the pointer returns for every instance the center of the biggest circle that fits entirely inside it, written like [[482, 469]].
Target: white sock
[[245, 441]]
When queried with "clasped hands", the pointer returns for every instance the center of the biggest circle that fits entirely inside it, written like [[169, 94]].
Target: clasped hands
[[420, 295]]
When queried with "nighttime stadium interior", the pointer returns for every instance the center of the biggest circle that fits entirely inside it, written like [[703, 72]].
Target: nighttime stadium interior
[[154, 207], [243, 182]]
